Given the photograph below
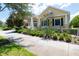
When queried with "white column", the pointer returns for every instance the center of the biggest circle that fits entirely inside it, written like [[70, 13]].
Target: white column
[[66, 21], [39, 22], [32, 24]]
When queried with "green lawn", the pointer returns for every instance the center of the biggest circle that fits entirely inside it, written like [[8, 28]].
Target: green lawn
[[14, 50], [11, 49]]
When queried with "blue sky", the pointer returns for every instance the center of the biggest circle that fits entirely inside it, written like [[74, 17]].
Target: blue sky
[[73, 8]]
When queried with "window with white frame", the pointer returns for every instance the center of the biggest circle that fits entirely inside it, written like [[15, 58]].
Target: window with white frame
[[57, 22], [35, 23], [44, 23]]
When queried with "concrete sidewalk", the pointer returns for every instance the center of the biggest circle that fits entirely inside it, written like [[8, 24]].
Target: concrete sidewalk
[[44, 47]]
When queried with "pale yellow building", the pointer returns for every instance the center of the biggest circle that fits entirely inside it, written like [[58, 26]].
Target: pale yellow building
[[57, 17]]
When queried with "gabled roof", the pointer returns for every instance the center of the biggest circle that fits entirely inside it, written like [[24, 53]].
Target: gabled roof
[[56, 9]]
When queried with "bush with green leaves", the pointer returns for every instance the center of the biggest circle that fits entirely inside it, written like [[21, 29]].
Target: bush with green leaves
[[68, 37], [19, 30], [36, 32], [55, 36], [71, 31], [61, 37], [7, 28], [65, 37]]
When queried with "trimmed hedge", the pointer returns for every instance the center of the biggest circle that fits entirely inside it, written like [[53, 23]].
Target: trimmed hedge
[[71, 31]]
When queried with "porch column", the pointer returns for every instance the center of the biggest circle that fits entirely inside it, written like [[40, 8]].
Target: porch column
[[39, 22], [66, 22], [31, 23]]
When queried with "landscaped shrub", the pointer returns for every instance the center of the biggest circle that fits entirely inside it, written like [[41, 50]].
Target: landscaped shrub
[[77, 41], [55, 36], [48, 33], [33, 33], [40, 33], [56, 30], [19, 30], [68, 37], [71, 31], [65, 37], [7, 28], [61, 37], [26, 31]]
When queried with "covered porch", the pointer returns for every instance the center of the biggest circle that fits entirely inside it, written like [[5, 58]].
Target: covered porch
[[52, 21]]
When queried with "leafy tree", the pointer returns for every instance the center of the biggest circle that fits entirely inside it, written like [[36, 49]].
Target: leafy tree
[[18, 12], [75, 21], [15, 20], [15, 6]]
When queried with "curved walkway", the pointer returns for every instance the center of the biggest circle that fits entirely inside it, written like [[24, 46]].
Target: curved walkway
[[43, 47]]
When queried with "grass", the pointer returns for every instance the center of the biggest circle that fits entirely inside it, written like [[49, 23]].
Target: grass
[[1, 28], [12, 49], [2, 38]]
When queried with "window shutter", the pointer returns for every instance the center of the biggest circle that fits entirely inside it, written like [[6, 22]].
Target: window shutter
[[61, 21], [52, 22], [41, 23]]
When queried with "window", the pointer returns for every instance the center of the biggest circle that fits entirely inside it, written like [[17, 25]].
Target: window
[[45, 23], [57, 22], [50, 12], [35, 23]]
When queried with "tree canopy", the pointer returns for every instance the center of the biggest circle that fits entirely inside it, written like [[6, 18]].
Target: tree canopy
[[75, 21], [15, 19], [17, 14], [15, 6]]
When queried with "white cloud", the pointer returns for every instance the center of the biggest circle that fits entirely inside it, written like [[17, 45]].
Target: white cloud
[[38, 8], [73, 15], [65, 5]]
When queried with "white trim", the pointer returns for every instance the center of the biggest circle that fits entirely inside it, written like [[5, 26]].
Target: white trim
[[66, 19], [31, 23], [59, 15], [38, 23], [58, 9]]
